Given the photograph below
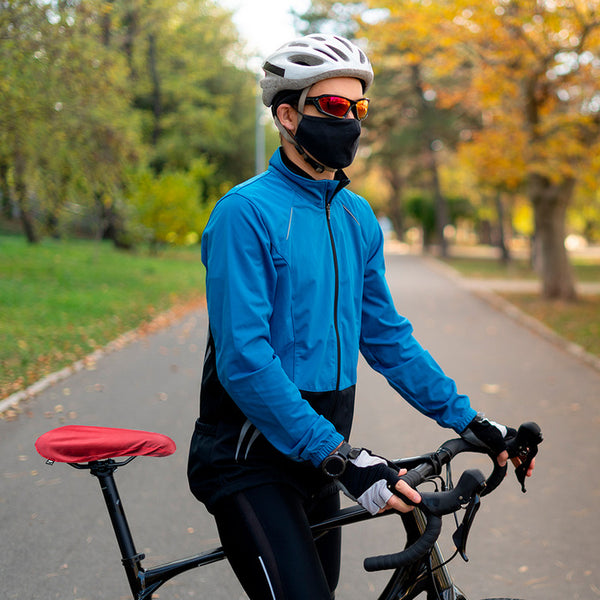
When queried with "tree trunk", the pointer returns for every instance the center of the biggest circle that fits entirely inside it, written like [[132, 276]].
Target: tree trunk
[[425, 110], [130, 21], [156, 89], [441, 208], [106, 25], [21, 198], [395, 201], [501, 228], [550, 202], [7, 205], [110, 222]]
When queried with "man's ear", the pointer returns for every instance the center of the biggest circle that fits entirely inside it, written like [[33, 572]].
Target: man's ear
[[288, 117]]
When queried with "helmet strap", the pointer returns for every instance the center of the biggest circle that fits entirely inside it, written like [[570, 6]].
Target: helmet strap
[[317, 166], [302, 102], [289, 136]]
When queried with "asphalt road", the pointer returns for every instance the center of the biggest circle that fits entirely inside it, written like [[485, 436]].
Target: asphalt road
[[55, 538]]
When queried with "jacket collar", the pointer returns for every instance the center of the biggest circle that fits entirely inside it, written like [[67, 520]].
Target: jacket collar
[[319, 192]]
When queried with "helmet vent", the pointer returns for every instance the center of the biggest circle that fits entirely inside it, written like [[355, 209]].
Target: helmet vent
[[306, 60], [345, 42], [330, 56], [339, 53]]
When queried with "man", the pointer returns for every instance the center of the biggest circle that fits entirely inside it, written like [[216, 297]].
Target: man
[[295, 289]]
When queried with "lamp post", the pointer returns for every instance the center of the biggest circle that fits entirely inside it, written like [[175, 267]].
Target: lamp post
[[259, 150]]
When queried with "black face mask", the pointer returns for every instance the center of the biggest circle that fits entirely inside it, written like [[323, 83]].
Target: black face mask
[[332, 142]]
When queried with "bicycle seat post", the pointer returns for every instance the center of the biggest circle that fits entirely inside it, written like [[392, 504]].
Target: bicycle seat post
[[131, 560]]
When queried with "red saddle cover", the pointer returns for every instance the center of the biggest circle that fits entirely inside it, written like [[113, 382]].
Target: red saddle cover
[[85, 443]]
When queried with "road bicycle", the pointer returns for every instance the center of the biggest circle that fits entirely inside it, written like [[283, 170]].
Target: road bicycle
[[419, 568]]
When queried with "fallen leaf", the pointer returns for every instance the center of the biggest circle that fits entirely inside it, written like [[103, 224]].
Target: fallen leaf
[[490, 388]]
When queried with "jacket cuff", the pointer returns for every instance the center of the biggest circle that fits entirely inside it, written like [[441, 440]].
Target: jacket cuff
[[327, 448]]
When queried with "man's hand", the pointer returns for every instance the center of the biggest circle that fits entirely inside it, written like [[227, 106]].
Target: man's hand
[[396, 503], [489, 434], [517, 461], [368, 480]]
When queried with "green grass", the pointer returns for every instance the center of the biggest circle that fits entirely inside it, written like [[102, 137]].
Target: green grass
[[578, 322], [59, 301]]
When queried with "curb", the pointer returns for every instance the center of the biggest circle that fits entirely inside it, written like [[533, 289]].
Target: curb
[[88, 362], [504, 306], [85, 363]]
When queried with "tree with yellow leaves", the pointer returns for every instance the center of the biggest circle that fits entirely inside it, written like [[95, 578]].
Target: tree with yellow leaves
[[533, 79]]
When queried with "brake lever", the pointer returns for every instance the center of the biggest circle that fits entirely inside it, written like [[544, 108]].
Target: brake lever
[[461, 534], [524, 448]]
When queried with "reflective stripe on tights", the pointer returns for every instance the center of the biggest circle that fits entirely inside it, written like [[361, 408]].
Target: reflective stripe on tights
[[266, 535]]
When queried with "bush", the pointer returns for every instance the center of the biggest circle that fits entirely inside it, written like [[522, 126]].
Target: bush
[[167, 207]]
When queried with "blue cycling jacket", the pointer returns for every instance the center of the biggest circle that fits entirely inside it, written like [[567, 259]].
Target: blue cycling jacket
[[295, 288]]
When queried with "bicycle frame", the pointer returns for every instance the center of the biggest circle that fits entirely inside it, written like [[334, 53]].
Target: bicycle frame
[[428, 575], [143, 582], [419, 568]]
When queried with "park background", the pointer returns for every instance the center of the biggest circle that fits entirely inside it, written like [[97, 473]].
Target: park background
[[123, 122]]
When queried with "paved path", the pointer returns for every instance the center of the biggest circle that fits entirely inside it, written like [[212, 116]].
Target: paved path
[[524, 285], [54, 539]]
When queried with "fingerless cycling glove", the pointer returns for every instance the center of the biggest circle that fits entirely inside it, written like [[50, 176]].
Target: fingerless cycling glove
[[366, 478], [488, 434]]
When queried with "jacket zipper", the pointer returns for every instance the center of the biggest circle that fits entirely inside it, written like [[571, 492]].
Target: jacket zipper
[[336, 294]]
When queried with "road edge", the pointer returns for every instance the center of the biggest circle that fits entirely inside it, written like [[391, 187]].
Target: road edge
[[161, 321], [515, 313]]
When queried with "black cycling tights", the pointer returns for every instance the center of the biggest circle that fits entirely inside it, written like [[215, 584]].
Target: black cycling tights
[[266, 536]]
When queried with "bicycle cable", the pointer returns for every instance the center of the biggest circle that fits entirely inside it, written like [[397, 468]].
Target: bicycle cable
[[432, 569]]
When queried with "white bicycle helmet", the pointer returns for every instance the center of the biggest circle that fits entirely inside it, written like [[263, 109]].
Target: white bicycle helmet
[[302, 62]]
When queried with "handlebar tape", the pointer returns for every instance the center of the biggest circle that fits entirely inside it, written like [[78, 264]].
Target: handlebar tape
[[421, 547], [434, 505], [412, 477], [495, 479]]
